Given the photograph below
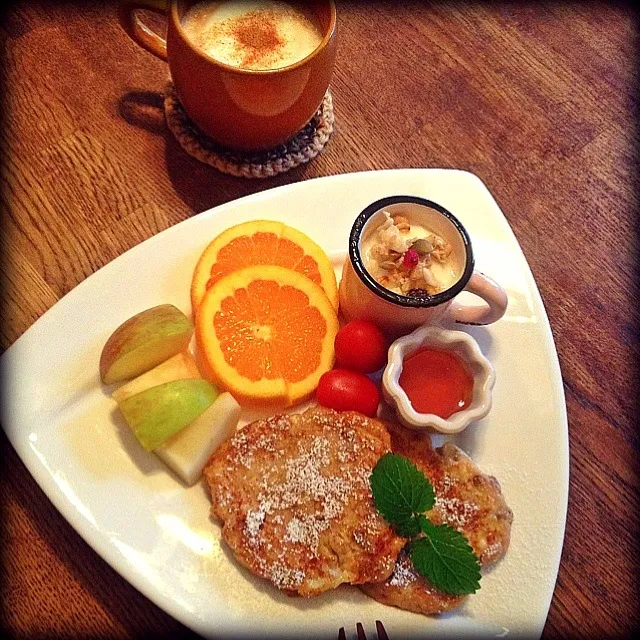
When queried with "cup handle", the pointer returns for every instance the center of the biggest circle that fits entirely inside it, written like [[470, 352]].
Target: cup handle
[[491, 292], [138, 31]]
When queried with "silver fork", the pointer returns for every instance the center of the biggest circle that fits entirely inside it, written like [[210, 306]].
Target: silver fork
[[382, 634]]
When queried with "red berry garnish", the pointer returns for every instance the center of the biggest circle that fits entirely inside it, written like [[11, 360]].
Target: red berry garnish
[[411, 259]]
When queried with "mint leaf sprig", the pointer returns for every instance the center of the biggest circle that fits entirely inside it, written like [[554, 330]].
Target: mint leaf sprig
[[402, 494]]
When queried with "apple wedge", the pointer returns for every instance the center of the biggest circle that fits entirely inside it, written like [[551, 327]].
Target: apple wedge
[[161, 411], [144, 341], [180, 367], [187, 451]]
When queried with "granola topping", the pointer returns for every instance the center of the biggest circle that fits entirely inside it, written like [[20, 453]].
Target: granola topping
[[407, 258]]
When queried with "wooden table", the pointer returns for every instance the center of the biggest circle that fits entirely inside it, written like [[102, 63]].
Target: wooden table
[[538, 102]]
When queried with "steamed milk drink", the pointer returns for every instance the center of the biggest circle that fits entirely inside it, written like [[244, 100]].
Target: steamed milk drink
[[254, 35]]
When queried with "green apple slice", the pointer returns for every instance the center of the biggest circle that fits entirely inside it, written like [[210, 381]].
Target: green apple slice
[[187, 452], [179, 367], [144, 341], [159, 412]]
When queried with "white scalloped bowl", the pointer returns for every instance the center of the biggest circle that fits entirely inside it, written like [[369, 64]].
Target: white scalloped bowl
[[467, 349]]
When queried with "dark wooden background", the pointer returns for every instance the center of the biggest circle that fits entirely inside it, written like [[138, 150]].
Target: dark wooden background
[[538, 100]]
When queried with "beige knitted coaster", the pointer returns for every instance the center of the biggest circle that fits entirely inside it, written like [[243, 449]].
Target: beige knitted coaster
[[264, 164]]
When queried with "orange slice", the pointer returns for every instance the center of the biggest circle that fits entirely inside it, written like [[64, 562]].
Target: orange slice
[[262, 242], [266, 333]]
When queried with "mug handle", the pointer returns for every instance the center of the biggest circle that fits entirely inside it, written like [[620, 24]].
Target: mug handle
[[138, 31], [491, 292]]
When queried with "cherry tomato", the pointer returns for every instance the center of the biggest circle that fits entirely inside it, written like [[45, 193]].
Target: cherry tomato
[[345, 390], [361, 346]]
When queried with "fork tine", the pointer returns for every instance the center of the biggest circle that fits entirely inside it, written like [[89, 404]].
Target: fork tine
[[381, 631], [382, 634]]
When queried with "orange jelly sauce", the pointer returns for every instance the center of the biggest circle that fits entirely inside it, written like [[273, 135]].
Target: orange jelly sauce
[[436, 381]]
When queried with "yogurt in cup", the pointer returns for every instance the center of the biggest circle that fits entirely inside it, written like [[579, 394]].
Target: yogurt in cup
[[409, 294]]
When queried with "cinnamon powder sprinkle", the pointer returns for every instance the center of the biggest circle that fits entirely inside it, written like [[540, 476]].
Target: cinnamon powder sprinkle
[[257, 43], [257, 36]]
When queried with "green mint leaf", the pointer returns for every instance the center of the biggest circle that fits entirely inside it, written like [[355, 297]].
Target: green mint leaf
[[401, 492], [444, 557], [408, 528]]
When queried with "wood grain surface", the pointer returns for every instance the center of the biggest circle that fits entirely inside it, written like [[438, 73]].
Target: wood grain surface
[[538, 100]]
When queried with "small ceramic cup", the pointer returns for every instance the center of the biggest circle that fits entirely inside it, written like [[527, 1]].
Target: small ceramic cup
[[463, 346], [244, 110], [362, 297]]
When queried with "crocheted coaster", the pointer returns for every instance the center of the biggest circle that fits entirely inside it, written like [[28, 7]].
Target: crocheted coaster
[[263, 164]]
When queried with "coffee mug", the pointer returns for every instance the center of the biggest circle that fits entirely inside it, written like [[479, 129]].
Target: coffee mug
[[364, 297], [242, 109]]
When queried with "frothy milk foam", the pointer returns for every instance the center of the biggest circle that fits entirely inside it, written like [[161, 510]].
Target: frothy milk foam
[[256, 35]]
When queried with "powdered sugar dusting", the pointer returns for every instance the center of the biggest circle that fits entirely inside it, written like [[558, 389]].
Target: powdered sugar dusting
[[457, 512], [287, 482], [285, 577], [305, 481], [266, 442], [404, 572], [254, 520], [492, 552]]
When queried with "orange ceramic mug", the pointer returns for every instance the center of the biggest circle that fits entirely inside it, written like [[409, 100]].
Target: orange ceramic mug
[[242, 109]]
